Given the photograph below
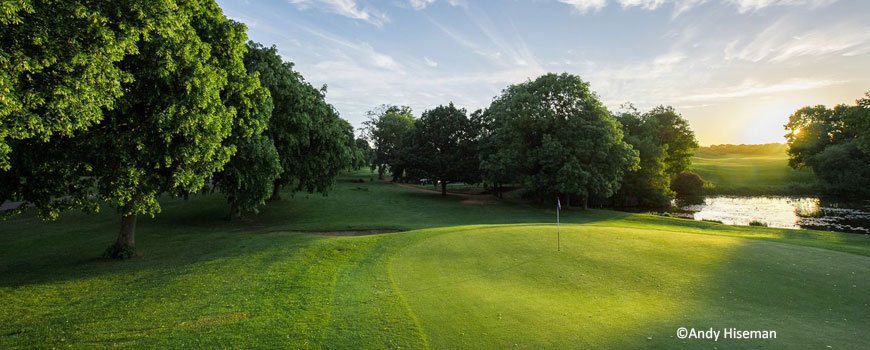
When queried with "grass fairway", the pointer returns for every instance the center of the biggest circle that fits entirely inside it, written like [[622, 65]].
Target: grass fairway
[[464, 276], [751, 170], [506, 287]]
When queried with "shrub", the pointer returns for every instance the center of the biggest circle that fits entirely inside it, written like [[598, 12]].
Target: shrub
[[757, 223], [687, 185]]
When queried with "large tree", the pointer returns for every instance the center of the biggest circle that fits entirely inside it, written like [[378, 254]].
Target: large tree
[[308, 134], [444, 146], [388, 129], [833, 143], [248, 178], [665, 143], [561, 138], [362, 153], [188, 93], [58, 60], [496, 163], [673, 132]]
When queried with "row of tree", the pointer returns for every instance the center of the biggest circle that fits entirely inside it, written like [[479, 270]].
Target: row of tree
[[551, 136], [121, 102], [835, 144]]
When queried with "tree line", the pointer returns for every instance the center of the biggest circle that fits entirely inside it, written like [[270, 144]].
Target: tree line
[[122, 102], [551, 136]]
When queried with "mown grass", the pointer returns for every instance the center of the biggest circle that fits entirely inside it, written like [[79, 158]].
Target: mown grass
[[763, 173], [200, 281]]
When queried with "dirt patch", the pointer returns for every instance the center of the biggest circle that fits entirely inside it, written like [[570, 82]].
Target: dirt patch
[[342, 233], [468, 199], [472, 201]]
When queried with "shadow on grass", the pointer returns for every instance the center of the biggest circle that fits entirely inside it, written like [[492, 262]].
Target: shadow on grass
[[197, 230]]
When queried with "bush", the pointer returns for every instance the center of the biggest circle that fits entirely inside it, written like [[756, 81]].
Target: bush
[[687, 185], [757, 223]]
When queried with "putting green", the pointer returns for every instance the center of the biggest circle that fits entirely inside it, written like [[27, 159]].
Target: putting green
[[610, 287]]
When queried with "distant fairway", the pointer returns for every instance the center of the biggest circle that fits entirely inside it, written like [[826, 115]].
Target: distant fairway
[[751, 170], [622, 280]]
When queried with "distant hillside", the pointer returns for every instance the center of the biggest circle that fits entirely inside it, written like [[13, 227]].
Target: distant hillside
[[751, 170], [760, 149]]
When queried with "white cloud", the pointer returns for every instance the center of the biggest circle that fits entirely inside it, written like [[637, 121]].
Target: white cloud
[[784, 40], [347, 8], [753, 88], [754, 5], [680, 6], [429, 62], [420, 4], [584, 6], [644, 4], [361, 52]]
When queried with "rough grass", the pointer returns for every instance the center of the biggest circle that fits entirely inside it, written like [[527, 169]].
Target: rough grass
[[199, 281], [757, 173]]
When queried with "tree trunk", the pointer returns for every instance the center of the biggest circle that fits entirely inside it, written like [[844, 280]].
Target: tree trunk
[[124, 247], [276, 191], [235, 211], [443, 188], [585, 203]]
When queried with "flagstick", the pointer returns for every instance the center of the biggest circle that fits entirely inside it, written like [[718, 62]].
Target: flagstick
[[558, 232]]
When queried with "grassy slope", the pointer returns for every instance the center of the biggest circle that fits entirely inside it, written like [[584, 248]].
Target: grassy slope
[[736, 170], [200, 281]]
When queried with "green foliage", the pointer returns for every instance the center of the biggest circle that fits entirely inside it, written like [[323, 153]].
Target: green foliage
[[844, 170], [757, 223], [187, 99], [859, 121], [310, 137], [59, 62], [811, 129], [666, 144], [388, 129], [687, 185], [496, 166], [171, 130], [833, 143], [362, 153], [672, 131], [444, 147], [328, 153], [248, 178], [560, 138]]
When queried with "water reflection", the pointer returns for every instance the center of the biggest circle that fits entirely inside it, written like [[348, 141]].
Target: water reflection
[[781, 211]]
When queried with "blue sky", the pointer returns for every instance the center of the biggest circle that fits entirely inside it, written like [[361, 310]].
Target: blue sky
[[736, 69]]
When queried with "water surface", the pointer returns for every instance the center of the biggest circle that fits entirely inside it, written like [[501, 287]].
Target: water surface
[[782, 211]]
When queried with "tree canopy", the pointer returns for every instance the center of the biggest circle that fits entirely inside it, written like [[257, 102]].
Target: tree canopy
[[444, 146], [387, 129], [308, 134], [187, 94], [833, 143], [665, 143], [560, 138], [59, 63]]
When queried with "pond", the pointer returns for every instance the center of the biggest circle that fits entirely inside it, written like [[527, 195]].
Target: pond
[[781, 211]]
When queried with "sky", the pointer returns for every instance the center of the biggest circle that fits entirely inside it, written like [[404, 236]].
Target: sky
[[735, 69]]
